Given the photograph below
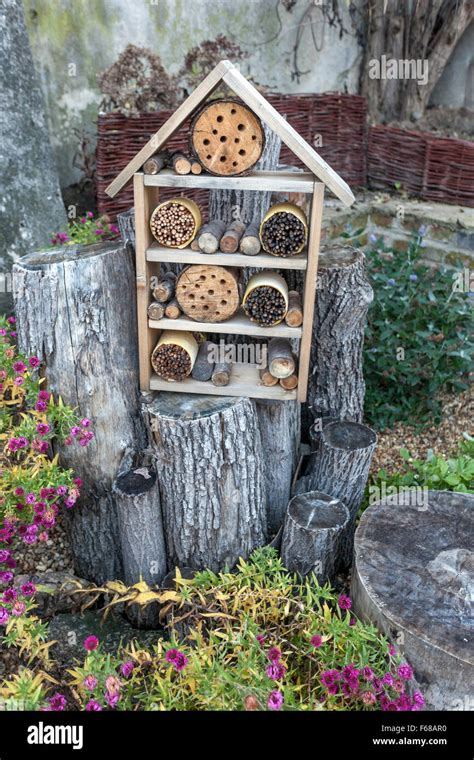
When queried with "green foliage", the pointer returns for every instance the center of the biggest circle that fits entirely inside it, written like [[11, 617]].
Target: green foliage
[[419, 337], [437, 473], [86, 231], [254, 639]]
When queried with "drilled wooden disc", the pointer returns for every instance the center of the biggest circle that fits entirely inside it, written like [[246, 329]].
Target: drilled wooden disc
[[227, 137], [208, 293]]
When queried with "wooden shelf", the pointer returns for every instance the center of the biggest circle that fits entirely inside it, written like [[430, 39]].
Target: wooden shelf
[[240, 324], [244, 381], [277, 182], [187, 256]]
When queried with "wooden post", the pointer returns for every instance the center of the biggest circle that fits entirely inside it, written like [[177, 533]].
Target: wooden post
[[279, 423], [210, 470], [312, 531], [144, 205], [66, 308], [341, 468]]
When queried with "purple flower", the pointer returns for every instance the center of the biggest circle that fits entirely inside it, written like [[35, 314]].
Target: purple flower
[[41, 406], [316, 640], [18, 608], [93, 706], [34, 362], [276, 671], [57, 702], [19, 367], [4, 555], [4, 616], [112, 699], [90, 682], [177, 659], [391, 282], [418, 698], [368, 673], [260, 638], [368, 698], [6, 576], [11, 320], [75, 431], [329, 677], [275, 700], [42, 428], [28, 589], [43, 396], [274, 654], [344, 602], [91, 643], [61, 490], [405, 672], [422, 230], [391, 650], [413, 278], [85, 422], [388, 679], [89, 214], [99, 232], [126, 668]]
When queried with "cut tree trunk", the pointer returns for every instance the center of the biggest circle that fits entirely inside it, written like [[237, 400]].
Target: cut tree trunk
[[210, 471], [209, 236], [310, 542], [336, 385], [250, 241], [231, 237], [279, 423], [341, 468], [412, 578], [66, 307], [203, 366], [221, 373]]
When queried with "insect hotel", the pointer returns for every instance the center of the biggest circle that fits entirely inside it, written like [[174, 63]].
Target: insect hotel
[[203, 280]]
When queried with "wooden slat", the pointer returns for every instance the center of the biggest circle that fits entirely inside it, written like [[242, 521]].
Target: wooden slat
[[201, 92], [310, 288], [289, 135], [244, 381], [238, 325], [278, 182], [143, 206], [187, 256]]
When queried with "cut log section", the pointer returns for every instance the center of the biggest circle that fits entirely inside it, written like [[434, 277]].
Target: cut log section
[[267, 378], [156, 310], [312, 532], [209, 236], [156, 163], [336, 385], [86, 283], [231, 237], [281, 362], [341, 468], [289, 383], [227, 137], [196, 167], [413, 578], [211, 478], [250, 240], [181, 164], [279, 423], [208, 293], [164, 290], [221, 373], [294, 315], [204, 365], [172, 310]]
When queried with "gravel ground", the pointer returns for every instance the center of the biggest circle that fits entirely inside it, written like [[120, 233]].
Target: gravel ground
[[458, 418], [54, 554]]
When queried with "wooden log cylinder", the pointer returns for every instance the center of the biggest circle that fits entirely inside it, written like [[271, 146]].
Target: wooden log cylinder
[[221, 373], [336, 385], [156, 310], [208, 293], [211, 478], [181, 163], [172, 310], [231, 237], [204, 364], [226, 137], [250, 240], [164, 290], [294, 315], [281, 361], [341, 468], [312, 531], [86, 283], [156, 163], [209, 236], [279, 423]]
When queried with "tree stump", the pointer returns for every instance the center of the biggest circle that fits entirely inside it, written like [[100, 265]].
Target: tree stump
[[341, 468], [210, 471], [66, 307], [311, 534], [279, 423], [413, 577], [336, 385]]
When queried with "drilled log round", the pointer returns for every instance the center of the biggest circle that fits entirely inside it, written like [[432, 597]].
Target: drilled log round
[[312, 531], [336, 385], [341, 468], [413, 577], [210, 471], [279, 423], [66, 307], [227, 137], [208, 293]]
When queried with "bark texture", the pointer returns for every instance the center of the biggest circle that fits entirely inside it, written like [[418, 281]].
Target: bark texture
[[211, 476], [310, 541], [341, 468], [413, 577], [336, 385], [279, 423], [66, 311]]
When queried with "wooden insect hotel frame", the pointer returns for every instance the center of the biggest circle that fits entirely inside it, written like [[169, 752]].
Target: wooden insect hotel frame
[[245, 378]]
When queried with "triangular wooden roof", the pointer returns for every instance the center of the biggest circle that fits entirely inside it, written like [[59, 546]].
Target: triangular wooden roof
[[226, 72]]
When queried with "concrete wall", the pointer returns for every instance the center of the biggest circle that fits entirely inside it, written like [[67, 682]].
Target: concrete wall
[[74, 39]]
